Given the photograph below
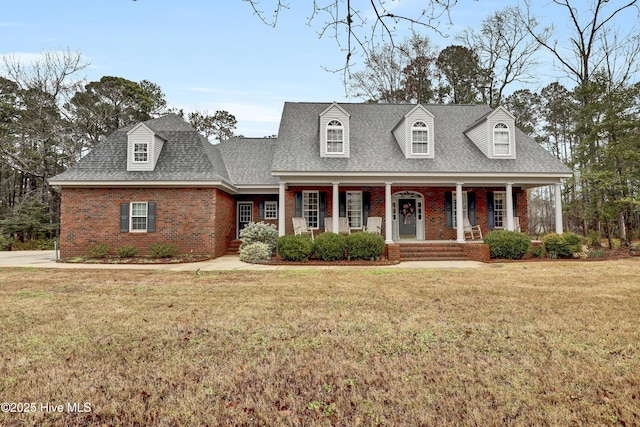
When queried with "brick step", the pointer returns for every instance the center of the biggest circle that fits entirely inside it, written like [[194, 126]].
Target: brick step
[[431, 252], [234, 247]]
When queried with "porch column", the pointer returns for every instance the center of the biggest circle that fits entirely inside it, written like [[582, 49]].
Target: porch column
[[335, 215], [459, 214], [282, 217], [558, 200], [388, 221], [509, 206]]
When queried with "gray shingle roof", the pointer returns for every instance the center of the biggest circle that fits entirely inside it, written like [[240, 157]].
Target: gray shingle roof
[[248, 160], [373, 147]]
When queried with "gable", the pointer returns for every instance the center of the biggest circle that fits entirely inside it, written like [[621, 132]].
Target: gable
[[416, 123], [488, 131], [143, 148], [334, 132]]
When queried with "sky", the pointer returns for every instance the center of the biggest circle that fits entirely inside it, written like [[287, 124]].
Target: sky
[[209, 55]]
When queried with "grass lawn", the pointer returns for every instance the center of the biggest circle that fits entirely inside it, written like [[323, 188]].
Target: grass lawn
[[545, 343]]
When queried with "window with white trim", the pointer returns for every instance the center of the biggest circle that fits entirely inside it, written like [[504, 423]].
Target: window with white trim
[[140, 152], [499, 209], [354, 208], [501, 140], [454, 207], [139, 216], [419, 138], [270, 210], [311, 208], [335, 137]]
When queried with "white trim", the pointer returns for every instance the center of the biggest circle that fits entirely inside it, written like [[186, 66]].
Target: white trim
[[146, 217], [274, 208], [238, 215]]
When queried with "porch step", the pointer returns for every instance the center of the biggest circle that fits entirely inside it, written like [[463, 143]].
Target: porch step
[[234, 247], [420, 251]]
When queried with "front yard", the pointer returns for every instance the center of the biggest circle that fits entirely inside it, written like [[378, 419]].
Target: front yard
[[542, 343]]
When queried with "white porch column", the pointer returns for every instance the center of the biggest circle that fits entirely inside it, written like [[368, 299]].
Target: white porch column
[[388, 216], [459, 214], [558, 200], [281, 210], [509, 206], [335, 216]]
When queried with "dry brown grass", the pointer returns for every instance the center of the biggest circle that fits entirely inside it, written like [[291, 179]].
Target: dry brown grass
[[554, 344]]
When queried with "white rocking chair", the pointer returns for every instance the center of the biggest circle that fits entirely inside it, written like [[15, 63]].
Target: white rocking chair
[[471, 230], [374, 225], [300, 227]]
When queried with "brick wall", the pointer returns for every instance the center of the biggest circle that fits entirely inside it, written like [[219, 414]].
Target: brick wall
[[196, 220]]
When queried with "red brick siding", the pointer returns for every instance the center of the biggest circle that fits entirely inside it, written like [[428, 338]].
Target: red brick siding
[[196, 220]]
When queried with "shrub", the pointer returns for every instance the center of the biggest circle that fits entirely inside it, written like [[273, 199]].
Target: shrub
[[295, 248], [99, 250], [259, 232], [256, 251], [537, 251], [4, 242], [126, 251], [330, 246], [365, 246], [562, 245], [163, 250], [508, 244]]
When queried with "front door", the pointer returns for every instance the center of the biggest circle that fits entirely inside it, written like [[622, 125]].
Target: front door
[[407, 218], [245, 215]]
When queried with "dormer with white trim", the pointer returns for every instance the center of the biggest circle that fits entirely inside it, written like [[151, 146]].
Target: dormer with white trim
[[414, 134], [334, 132], [143, 148], [494, 134]]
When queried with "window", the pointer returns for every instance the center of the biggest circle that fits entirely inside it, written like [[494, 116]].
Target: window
[[335, 137], [311, 208], [139, 216], [140, 152], [354, 208], [270, 210], [419, 138], [499, 209], [501, 143], [454, 202]]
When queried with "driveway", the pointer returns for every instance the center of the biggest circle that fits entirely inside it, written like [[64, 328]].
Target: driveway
[[47, 259]]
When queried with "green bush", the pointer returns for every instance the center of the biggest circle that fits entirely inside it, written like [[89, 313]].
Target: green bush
[[295, 248], [562, 245], [99, 250], [163, 250], [4, 242], [508, 244], [537, 251], [330, 246], [259, 232], [365, 246], [256, 251], [126, 251]]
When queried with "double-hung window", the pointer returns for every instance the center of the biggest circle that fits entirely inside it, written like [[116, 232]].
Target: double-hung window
[[335, 137], [311, 208], [454, 204], [270, 210], [141, 152], [419, 138], [501, 140], [354, 208], [139, 216], [499, 209]]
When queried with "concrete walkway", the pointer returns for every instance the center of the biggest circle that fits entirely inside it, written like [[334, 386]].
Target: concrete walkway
[[47, 259]]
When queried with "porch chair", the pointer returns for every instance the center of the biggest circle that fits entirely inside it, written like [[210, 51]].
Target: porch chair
[[516, 224], [374, 225], [343, 225], [300, 227], [471, 230]]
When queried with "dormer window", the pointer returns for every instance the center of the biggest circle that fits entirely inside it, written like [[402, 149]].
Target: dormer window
[[141, 152], [335, 137], [419, 138], [501, 140]]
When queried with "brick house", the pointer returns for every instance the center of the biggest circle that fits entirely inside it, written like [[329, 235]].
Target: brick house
[[412, 165]]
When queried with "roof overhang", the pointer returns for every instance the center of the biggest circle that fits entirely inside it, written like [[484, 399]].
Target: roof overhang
[[144, 184]]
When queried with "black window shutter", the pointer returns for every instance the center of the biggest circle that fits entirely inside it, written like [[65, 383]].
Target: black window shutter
[[297, 198], [322, 196], [490, 223], [151, 217], [471, 207], [260, 210], [124, 217], [515, 204], [366, 206], [342, 197], [448, 209]]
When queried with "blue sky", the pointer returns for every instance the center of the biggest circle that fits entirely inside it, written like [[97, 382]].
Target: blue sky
[[205, 54]]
